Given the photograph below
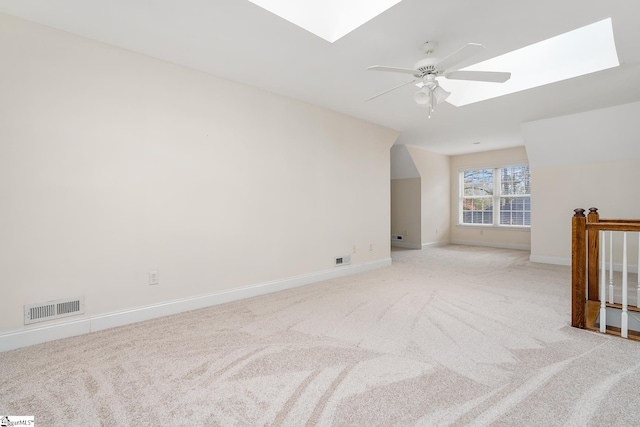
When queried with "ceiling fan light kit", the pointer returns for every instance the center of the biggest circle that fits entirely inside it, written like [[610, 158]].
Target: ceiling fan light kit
[[430, 94], [440, 94], [421, 97], [426, 70]]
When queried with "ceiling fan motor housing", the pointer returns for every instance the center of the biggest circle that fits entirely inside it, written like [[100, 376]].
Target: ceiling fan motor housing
[[427, 65]]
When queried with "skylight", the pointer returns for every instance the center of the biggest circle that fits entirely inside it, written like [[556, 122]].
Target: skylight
[[585, 50], [329, 19]]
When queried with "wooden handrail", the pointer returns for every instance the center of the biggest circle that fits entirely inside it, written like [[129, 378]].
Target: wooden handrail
[[622, 221], [613, 226], [585, 253]]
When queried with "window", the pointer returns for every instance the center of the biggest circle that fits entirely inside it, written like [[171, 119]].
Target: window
[[496, 196]]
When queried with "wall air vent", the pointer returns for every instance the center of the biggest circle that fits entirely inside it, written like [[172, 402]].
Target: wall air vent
[[343, 260], [53, 310]]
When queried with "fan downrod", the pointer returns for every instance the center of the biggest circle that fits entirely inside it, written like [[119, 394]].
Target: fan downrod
[[429, 47]]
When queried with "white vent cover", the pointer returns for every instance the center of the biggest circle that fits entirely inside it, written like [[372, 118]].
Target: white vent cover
[[53, 310], [343, 260]]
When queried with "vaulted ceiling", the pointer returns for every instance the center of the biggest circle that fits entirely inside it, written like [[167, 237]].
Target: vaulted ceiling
[[237, 40]]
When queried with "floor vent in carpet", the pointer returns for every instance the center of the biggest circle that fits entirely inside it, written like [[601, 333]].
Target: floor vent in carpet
[[53, 310]]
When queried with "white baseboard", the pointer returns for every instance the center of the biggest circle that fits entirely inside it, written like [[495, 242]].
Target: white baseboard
[[73, 328], [550, 260], [567, 261], [417, 245], [42, 334], [406, 245], [434, 244], [492, 244]]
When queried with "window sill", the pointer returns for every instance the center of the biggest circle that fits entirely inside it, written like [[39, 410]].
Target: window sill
[[496, 227]]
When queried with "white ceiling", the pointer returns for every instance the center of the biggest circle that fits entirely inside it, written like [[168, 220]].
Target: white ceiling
[[237, 40]]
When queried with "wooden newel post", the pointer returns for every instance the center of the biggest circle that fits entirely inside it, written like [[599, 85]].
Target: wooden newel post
[[593, 256], [578, 269]]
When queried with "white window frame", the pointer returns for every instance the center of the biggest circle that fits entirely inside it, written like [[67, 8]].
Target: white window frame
[[495, 198]]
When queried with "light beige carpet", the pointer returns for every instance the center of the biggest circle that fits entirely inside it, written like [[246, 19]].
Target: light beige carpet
[[453, 335]]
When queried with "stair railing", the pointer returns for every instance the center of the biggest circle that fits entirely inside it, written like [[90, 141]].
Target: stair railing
[[589, 284]]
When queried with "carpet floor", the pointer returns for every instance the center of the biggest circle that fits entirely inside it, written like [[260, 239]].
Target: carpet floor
[[446, 336]]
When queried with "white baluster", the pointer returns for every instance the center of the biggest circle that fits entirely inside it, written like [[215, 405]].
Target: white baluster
[[603, 282], [611, 267], [624, 321]]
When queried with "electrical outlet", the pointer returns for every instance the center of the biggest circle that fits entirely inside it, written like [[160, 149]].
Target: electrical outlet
[[354, 249], [370, 247], [154, 277]]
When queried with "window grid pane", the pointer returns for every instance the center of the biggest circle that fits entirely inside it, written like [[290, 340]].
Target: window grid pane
[[515, 180], [478, 182], [477, 210], [515, 210], [513, 195]]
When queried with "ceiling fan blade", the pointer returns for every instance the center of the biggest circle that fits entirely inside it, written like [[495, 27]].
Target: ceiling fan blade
[[480, 76], [393, 88], [462, 54], [395, 70]]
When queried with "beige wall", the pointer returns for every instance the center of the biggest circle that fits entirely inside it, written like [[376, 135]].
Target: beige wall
[[490, 236], [402, 165], [579, 161], [609, 186], [113, 164], [435, 189], [406, 211]]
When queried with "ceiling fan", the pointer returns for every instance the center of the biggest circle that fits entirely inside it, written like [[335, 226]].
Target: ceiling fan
[[427, 69]]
